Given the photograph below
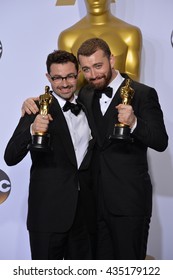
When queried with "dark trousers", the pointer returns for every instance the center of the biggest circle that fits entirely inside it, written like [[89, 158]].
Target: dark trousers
[[75, 244], [121, 237]]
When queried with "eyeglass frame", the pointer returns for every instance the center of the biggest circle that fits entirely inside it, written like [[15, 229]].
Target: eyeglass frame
[[59, 79]]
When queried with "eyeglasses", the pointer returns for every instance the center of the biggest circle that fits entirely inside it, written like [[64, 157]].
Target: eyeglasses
[[69, 78]]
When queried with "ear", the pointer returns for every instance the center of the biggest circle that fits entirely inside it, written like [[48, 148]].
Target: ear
[[112, 60], [48, 77]]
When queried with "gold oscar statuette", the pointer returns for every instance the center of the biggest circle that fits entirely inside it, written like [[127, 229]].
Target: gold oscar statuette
[[122, 131], [41, 140]]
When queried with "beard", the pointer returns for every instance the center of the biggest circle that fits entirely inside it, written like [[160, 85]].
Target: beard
[[104, 80]]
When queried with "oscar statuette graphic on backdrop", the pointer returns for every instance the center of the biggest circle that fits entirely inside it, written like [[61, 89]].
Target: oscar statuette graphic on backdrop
[[124, 39], [69, 2]]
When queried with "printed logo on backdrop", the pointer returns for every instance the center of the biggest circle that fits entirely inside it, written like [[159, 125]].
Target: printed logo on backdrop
[[0, 49], [172, 38], [5, 186]]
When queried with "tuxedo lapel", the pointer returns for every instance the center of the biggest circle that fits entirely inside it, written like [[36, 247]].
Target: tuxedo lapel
[[61, 129], [87, 105], [111, 115], [95, 116], [87, 98]]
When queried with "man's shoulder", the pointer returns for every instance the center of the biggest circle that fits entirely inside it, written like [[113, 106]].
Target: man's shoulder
[[136, 84], [85, 95], [85, 91]]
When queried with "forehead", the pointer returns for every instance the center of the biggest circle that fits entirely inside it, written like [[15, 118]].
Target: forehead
[[97, 57], [62, 68]]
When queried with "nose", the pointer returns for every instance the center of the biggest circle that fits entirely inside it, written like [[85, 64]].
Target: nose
[[93, 74], [64, 81]]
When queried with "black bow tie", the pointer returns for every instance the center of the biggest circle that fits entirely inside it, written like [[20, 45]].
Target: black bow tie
[[107, 91], [75, 108]]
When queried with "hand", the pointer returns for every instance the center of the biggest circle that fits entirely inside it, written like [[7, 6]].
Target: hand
[[41, 123], [29, 106], [126, 115]]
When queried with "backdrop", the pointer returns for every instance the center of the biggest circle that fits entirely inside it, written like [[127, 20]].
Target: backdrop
[[28, 32]]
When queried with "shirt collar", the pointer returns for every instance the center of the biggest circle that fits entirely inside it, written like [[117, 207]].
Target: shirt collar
[[62, 101], [115, 84]]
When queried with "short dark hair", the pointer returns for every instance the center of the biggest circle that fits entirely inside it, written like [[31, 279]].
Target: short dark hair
[[61, 57], [90, 46]]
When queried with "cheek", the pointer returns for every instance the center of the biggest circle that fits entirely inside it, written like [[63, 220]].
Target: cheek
[[86, 75], [53, 87]]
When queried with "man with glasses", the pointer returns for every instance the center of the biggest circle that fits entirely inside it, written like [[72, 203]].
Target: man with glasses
[[61, 205]]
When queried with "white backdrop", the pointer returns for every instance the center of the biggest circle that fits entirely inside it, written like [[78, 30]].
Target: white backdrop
[[28, 32]]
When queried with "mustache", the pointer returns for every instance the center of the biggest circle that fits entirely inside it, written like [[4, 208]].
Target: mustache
[[65, 87], [96, 78]]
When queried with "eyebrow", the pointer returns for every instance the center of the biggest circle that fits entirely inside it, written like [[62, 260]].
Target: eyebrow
[[58, 75], [95, 64]]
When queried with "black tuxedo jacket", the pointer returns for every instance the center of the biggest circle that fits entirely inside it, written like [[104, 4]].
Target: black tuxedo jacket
[[54, 176], [120, 169]]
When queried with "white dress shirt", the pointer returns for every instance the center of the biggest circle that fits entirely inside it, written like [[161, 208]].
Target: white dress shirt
[[78, 128]]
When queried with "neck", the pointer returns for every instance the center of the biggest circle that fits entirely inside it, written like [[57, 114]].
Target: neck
[[99, 19], [114, 74], [71, 98]]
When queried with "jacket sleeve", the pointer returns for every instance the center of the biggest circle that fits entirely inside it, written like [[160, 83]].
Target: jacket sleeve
[[17, 147], [150, 129]]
